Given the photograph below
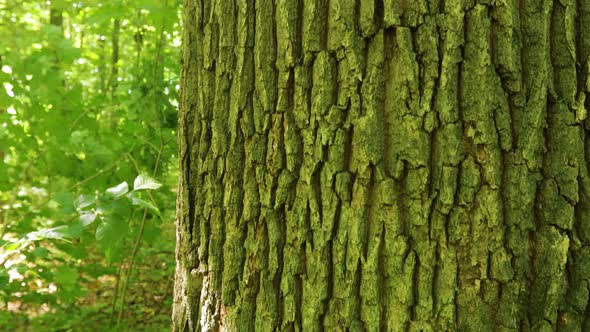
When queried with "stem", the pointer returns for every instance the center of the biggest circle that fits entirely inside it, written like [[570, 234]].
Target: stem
[[116, 295], [131, 261], [119, 275]]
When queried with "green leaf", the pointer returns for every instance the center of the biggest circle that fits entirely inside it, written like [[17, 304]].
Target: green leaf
[[145, 182], [76, 230], [135, 200], [12, 246], [114, 252], [41, 252], [109, 234], [59, 232], [118, 190], [104, 232], [110, 231], [66, 275], [84, 201], [4, 278], [87, 218], [65, 201], [106, 13]]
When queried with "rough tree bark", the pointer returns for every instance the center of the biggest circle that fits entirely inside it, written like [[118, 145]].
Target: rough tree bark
[[384, 165]]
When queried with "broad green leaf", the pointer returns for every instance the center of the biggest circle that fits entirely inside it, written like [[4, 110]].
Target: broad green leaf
[[145, 182], [109, 234], [59, 232], [76, 230], [135, 200], [109, 231], [84, 201], [12, 246], [65, 201], [118, 190], [104, 232], [106, 13], [109, 207], [114, 252], [41, 252], [66, 275], [4, 278], [87, 218]]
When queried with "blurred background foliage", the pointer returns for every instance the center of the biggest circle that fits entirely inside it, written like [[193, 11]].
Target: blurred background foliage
[[88, 163]]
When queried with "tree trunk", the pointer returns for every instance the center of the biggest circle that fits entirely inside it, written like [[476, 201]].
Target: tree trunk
[[384, 166], [114, 82]]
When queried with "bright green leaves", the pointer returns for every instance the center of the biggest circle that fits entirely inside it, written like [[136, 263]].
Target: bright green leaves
[[110, 208], [106, 12], [55, 233], [135, 200], [142, 182], [71, 125], [109, 234], [41, 252], [114, 212], [66, 278], [118, 190], [60, 232], [87, 218], [66, 275], [107, 231], [11, 246], [145, 182], [4, 278], [65, 202], [84, 201]]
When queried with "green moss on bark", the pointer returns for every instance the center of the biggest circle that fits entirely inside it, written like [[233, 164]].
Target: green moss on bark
[[384, 166]]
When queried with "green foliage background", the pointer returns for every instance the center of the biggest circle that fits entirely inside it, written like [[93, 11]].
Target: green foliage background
[[86, 104]]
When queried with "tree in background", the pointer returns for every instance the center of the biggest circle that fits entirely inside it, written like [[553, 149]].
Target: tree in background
[[384, 165], [88, 100]]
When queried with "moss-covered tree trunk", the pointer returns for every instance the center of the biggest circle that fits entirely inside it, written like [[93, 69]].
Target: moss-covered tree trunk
[[384, 165]]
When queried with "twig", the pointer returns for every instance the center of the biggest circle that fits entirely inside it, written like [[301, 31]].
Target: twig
[[131, 261], [119, 275], [114, 305]]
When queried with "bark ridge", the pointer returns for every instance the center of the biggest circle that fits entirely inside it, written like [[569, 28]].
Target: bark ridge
[[384, 165]]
